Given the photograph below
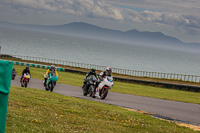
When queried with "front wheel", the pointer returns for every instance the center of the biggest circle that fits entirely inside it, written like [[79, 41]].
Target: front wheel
[[13, 77], [25, 85], [47, 87], [51, 86], [103, 93], [22, 84], [84, 91], [91, 88]]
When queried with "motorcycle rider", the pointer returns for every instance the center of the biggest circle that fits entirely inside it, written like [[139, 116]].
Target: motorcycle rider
[[51, 70], [103, 74], [13, 71], [91, 72], [26, 70]]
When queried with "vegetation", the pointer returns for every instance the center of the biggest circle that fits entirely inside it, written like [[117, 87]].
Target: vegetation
[[114, 74], [32, 110], [120, 87]]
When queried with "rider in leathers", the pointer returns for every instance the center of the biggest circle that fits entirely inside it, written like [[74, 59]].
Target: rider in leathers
[[52, 69], [91, 72], [102, 75], [26, 70], [105, 73]]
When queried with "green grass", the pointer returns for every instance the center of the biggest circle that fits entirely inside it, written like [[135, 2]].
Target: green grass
[[120, 87], [32, 110]]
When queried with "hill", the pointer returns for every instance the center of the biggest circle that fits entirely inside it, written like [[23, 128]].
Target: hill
[[92, 31]]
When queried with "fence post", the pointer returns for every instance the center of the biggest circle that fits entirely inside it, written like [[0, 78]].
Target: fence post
[[184, 77]]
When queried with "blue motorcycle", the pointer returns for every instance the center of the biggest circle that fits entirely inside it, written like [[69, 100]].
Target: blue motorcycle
[[51, 82]]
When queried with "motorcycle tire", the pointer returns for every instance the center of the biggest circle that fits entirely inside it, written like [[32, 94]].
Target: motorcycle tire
[[84, 92], [104, 93], [25, 83], [46, 88], [93, 95], [51, 86], [91, 90], [22, 84]]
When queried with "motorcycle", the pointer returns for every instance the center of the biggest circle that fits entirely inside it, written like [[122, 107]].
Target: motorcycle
[[51, 82], [25, 80], [90, 86], [13, 75], [104, 86]]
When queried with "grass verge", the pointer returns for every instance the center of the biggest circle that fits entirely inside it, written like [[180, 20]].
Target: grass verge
[[121, 87], [114, 74], [32, 110]]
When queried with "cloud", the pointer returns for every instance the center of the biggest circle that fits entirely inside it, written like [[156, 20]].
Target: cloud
[[170, 12], [177, 15], [74, 7], [194, 21], [162, 18], [173, 6], [102, 9]]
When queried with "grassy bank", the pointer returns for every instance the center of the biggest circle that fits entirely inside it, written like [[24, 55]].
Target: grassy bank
[[32, 110], [120, 87]]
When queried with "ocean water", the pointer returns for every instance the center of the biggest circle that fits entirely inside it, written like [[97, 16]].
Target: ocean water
[[106, 53]]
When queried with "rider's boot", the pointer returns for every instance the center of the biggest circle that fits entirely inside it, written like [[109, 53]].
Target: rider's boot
[[83, 86], [44, 82]]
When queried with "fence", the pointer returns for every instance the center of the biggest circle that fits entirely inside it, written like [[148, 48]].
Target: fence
[[136, 73]]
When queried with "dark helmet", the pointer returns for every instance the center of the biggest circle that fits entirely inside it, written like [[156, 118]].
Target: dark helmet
[[27, 67], [93, 69], [52, 67], [108, 70]]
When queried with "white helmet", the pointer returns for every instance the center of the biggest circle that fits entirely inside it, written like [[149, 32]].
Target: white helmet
[[108, 70]]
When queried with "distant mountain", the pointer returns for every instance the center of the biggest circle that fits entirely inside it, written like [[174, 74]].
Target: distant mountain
[[93, 31]]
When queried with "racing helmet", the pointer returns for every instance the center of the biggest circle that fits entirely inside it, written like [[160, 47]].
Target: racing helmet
[[93, 70], [52, 67], [27, 67], [108, 70]]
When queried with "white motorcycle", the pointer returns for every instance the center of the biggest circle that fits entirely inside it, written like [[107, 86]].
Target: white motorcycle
[[104, 86]]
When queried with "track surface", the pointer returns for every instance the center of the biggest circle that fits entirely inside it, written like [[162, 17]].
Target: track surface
[[186, 112]]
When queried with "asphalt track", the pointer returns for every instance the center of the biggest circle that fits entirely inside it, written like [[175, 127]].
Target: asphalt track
[[178, 111]]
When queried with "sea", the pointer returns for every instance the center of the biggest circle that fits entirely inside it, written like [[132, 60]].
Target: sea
[[126, 55]]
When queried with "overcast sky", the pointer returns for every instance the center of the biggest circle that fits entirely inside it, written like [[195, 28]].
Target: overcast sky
[[178, 18]]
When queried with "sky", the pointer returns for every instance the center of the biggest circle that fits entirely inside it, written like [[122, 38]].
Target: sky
[[177, 18]]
